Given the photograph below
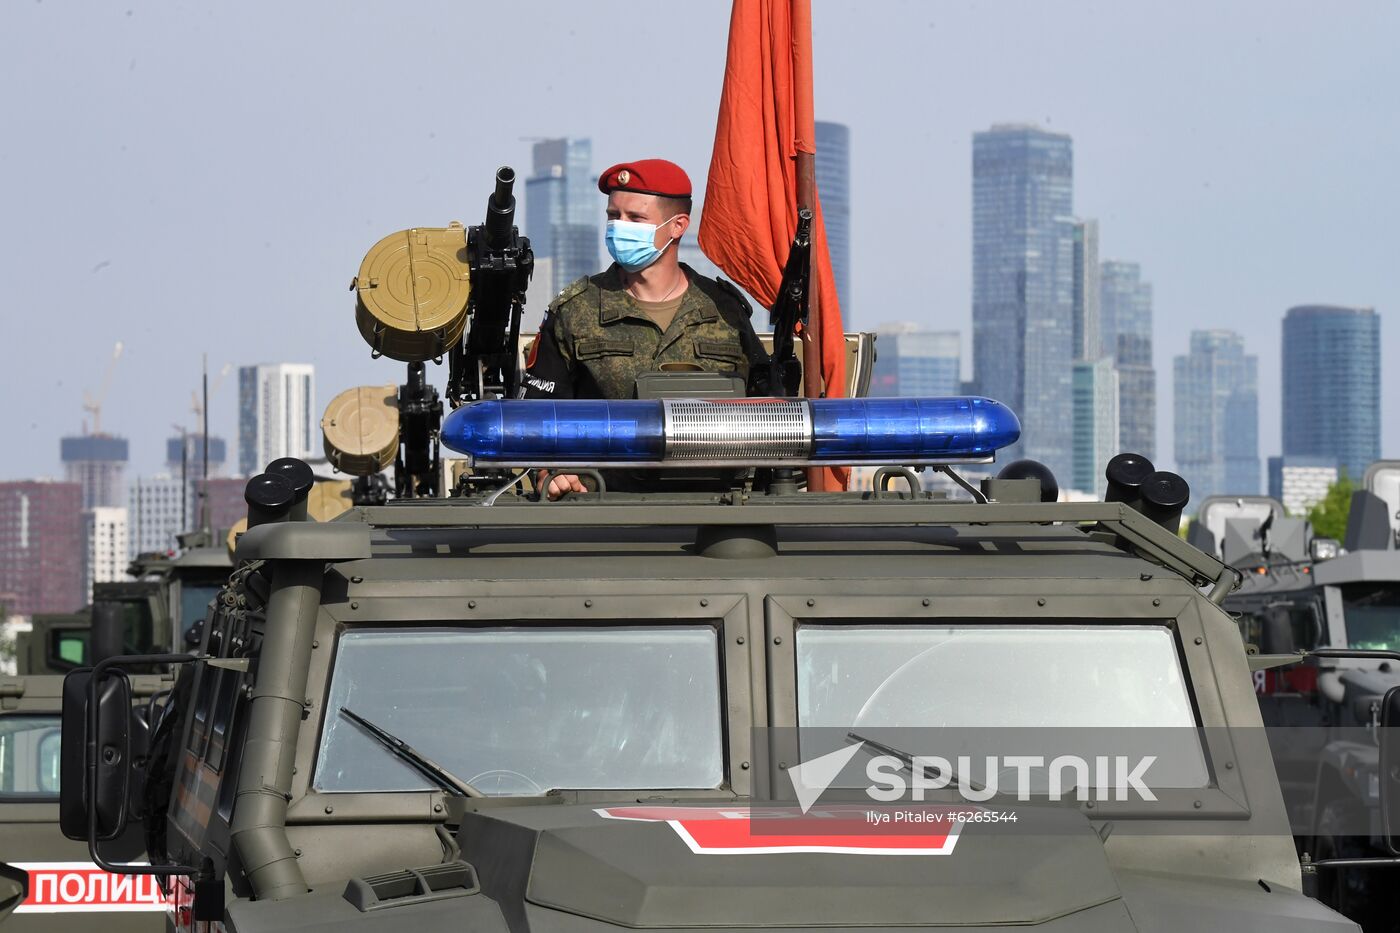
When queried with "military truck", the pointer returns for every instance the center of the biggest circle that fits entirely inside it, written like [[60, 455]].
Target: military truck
[[1302, 593], [167, 595], [493, 711], [474, 707]]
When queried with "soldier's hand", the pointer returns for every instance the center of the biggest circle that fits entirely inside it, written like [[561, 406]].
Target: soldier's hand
[[558, 485]]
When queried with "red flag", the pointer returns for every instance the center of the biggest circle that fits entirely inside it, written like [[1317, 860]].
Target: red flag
[[751, 197]]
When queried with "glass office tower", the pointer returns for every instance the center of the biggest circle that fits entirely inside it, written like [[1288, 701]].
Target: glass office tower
[[1332, 385], [1023, 285]]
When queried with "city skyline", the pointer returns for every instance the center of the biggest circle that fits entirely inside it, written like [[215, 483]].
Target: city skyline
[[562, 216], [1185, 175], [1023, 284], [910, 361], [1216, 416], [1111, 314]]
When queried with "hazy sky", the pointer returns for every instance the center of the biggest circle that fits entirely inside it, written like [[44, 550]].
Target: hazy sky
[[206, 177]]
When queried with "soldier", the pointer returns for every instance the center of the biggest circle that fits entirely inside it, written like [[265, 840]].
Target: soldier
[[645, 311]]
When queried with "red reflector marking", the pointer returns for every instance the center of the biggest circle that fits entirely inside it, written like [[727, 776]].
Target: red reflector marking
[[734, 830]]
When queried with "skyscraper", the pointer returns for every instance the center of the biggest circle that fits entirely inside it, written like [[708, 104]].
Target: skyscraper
[[105, 530], [41, 546], [1088, 345], [564, 211], [1095, 423], [1125, 333], [1332, 385], [277, 414], [834, 190], [158, 509], [1023, 284], [911, 362], [1217, 416], [97, 463]]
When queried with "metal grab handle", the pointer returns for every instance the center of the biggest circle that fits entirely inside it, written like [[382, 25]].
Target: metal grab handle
[[581, 473], [880, 482]]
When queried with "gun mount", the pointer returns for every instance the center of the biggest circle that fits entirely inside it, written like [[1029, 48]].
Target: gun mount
[[486, 363]]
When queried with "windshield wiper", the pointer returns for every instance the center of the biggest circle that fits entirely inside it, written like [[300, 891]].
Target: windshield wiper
[[413, 758], [953, 779]]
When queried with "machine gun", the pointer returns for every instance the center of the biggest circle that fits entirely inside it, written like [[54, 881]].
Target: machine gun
[[424, 294], [790, 308], [485, 364]]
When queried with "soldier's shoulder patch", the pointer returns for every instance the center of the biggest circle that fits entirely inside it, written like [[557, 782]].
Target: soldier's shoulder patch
[[572, 290]]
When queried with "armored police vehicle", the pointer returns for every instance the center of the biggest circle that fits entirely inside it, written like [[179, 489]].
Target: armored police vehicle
[[1304, 594], [716, 702], [465, 711]]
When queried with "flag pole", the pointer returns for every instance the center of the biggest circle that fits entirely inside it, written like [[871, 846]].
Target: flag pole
[[807, 199]]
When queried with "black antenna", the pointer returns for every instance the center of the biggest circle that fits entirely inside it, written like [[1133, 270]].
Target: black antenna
[[204, 486], [184, 481]]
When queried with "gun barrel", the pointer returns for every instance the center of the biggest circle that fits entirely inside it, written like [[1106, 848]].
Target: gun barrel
[[505, 181], [417, 378], [500, 209]]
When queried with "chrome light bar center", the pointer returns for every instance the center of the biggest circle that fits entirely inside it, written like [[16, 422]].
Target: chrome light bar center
[[768, 430]]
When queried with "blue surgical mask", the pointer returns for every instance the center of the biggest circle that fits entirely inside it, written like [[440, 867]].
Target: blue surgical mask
[[633, 244]]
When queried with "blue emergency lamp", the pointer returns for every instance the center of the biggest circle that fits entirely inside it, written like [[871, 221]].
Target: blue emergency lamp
[[730, 432]]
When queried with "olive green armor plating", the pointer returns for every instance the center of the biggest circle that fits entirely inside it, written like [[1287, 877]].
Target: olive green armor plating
[[571, 660]]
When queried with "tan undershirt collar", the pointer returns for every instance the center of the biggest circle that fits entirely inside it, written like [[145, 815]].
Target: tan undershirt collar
[[662, 313]]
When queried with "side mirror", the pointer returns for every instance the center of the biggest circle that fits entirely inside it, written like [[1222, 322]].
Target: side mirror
[[95, 756], [14, 889], [1390, 769], [1276, 634]]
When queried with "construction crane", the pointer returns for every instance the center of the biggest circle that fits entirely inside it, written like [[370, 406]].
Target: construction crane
[[92, 403]]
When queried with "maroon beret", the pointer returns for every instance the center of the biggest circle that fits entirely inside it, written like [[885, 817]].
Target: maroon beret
[[646, 176]]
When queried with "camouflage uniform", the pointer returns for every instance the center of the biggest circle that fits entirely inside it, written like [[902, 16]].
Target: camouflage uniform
[[595, 341]]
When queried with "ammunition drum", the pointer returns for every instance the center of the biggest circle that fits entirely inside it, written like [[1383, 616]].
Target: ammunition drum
[[411, 293], [361, 429]]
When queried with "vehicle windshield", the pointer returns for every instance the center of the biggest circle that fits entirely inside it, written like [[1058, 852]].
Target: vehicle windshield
[[194, 602], [29, 756], [523, 710], [1372, 612], [980, 684]]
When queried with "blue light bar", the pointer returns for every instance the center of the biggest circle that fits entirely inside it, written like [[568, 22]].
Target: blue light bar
[[540, 431], [852, 430], [735, 432]]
